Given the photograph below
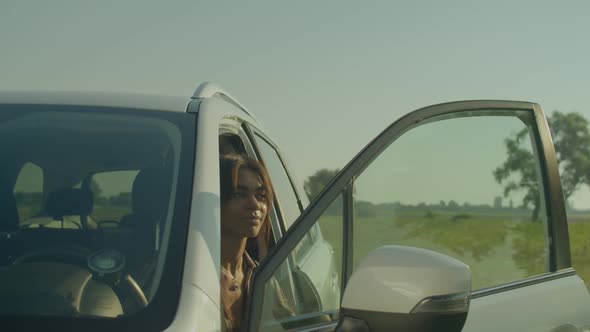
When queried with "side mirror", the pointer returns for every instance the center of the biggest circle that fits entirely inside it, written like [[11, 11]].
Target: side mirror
[[398, 288]]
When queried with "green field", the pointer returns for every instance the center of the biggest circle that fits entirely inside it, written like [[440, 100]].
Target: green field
[[497, 249]]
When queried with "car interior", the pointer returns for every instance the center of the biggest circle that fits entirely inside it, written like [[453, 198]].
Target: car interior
[[55, 259]]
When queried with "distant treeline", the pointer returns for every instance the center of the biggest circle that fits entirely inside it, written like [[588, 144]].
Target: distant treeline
[[36, 199], [368, 209]]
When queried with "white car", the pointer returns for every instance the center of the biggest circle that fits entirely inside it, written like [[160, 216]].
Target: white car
[[109, 221]]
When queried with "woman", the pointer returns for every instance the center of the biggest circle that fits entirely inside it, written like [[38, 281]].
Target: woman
[[246, 199]]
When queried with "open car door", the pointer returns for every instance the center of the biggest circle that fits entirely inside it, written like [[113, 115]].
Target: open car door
[[454, 208]]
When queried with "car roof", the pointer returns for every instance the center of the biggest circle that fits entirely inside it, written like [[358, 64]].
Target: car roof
[[206, 90], [118, 100], [101, 99]]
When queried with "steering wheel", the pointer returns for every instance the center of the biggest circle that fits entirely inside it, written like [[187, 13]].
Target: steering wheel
[[123, 285]]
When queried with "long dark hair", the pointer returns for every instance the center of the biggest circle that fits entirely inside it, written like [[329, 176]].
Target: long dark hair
[[229, 168]]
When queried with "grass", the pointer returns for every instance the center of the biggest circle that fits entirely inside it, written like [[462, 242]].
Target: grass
[[112, 213], [497, 249]]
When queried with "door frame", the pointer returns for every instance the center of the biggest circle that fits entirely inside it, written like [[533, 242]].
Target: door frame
[[559, 256]]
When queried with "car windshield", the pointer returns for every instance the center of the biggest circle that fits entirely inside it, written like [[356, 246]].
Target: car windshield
[[89, 198]]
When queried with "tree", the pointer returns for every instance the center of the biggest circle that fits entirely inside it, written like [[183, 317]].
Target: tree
[[521, 162], [572, 146], [453, 205], [316, 182], [571, 138], [364, 209]]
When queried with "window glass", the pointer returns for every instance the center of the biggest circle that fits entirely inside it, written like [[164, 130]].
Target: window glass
[[466, 187], [90, 165], [112, 195], [305, 289], [28, 191], [280, 181], [285, 194], [306, 243]]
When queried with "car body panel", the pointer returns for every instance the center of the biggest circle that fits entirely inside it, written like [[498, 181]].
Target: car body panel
[[101, 99], [543, 306], [202, 260], [196, 311]]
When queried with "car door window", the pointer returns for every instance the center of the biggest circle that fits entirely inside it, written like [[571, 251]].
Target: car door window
[[316, 283], [285, 194], [28, 191], [280, 180], [307, 285], [469, 188]]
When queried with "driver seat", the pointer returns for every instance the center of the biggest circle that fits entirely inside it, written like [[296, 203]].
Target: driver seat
[[150, 195], [70, 202], [9, 220], [149, 198]]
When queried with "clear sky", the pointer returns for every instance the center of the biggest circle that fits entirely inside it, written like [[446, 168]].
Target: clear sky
[[323, 77]]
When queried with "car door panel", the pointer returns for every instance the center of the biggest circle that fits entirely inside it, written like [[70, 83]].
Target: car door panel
[[542, 306]]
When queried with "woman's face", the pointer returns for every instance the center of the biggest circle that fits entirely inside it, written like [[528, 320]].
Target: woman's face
[[243, 213]]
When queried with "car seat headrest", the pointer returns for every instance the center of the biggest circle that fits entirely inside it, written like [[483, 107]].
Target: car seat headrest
[[150, 193], [69, 202]]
